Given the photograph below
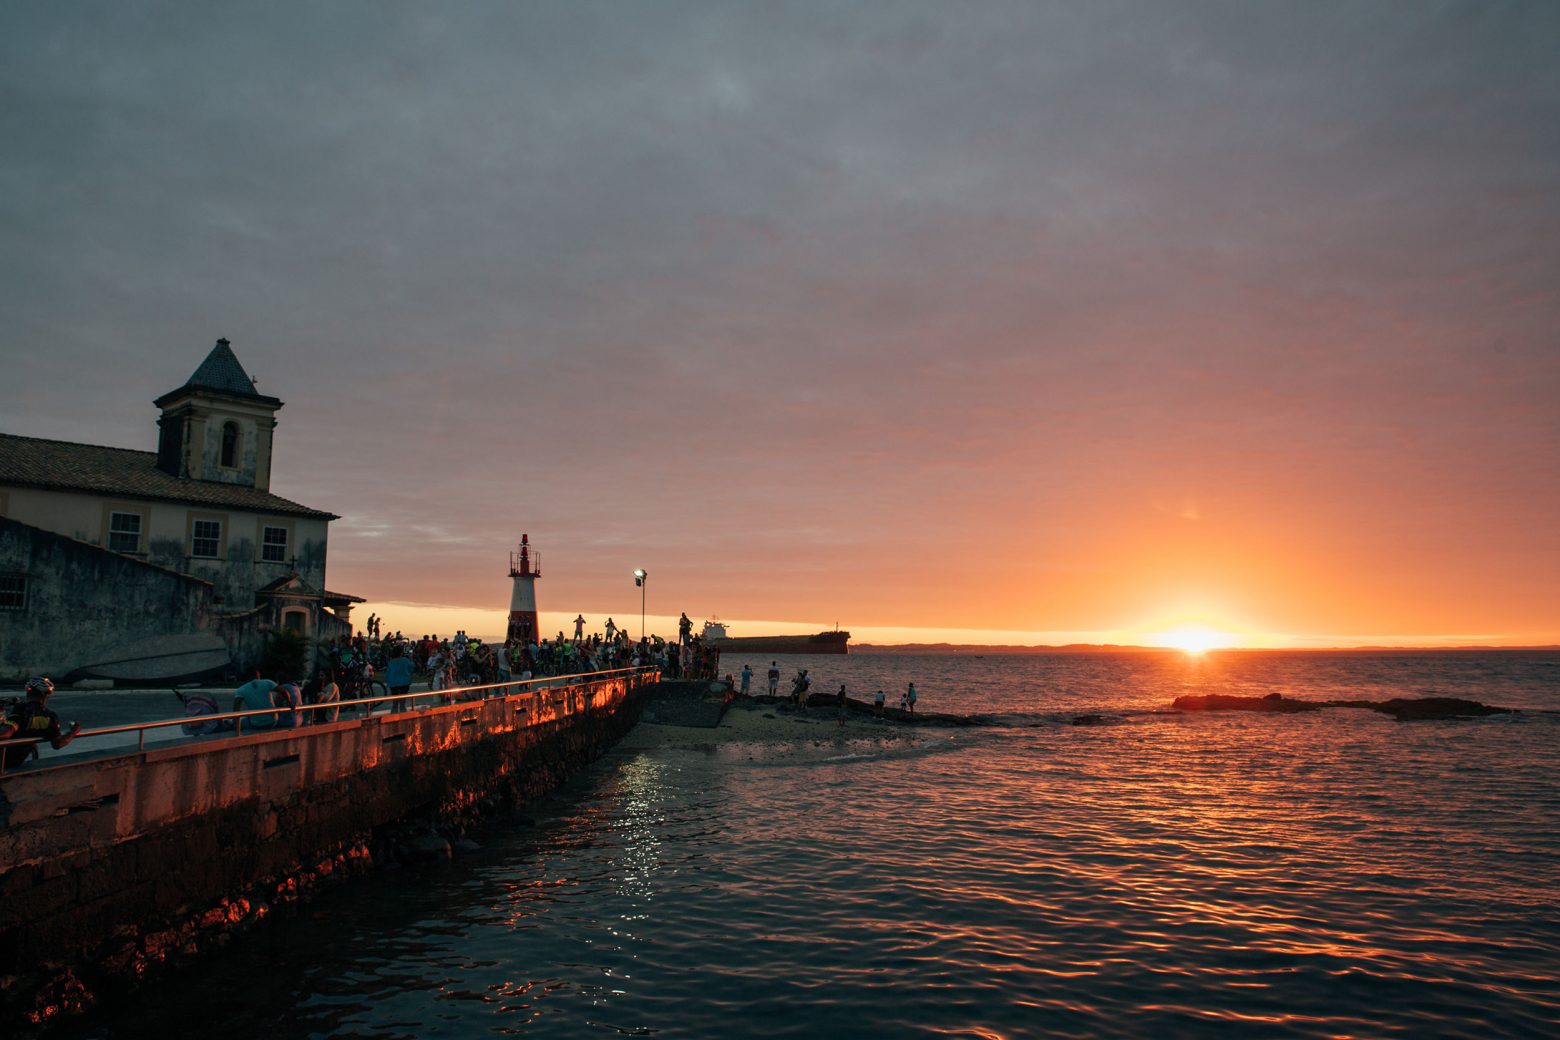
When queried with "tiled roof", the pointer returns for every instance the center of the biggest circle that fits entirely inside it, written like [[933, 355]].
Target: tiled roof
[[89, 468], [221, 372]]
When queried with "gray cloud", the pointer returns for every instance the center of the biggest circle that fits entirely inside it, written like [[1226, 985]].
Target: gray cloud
[[866, 261]]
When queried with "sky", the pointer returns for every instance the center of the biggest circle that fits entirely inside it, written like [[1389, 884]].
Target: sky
[[981, 322]]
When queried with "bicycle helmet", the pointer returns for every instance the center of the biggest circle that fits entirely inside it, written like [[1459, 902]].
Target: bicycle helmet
[[40, 684]]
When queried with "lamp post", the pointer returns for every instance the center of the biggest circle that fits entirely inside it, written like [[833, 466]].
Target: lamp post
[[639, 579]]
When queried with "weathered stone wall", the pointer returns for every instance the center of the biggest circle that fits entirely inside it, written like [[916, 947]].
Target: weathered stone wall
[[82, 600], [110, 866], [240, 571]]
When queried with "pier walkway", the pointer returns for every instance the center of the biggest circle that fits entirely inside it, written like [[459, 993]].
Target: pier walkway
[[137, 727], [110, 860]]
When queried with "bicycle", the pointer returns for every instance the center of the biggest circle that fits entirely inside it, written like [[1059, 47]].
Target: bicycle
[[356, 684]]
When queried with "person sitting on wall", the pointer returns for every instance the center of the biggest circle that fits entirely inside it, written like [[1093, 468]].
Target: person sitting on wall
[[322, 691], [32, 721], [252, 696], [288, 697]]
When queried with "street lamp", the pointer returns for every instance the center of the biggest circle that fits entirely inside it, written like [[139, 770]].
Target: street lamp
[[639, 580]]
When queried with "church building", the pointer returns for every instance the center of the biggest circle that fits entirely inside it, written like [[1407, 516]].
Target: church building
[[149, 566]]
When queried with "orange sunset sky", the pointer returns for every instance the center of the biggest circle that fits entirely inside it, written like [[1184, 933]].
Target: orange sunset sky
[[988, 323]]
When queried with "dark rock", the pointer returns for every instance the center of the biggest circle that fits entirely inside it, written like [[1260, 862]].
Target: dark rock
[[1404, 709], [428, 848], [1088, 720], [1410, 709], [690, 704], [1228, 702]]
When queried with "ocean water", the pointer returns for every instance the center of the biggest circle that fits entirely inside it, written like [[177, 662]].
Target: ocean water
[[1324, 875]]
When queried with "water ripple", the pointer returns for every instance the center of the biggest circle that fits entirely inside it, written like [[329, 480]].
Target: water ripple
[[1327, 875]]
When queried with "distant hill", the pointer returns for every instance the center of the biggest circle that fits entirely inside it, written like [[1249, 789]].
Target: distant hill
[[976, 650]]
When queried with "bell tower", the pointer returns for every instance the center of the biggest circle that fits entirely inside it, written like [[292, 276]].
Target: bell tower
[[217, 426]]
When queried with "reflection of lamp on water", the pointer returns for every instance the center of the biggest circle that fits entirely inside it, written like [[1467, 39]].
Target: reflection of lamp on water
[[639, 579]]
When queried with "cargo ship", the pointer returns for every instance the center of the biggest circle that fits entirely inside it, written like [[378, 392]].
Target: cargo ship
[[835, 642]]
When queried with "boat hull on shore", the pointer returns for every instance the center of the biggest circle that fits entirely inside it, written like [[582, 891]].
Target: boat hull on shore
[[161, 660]]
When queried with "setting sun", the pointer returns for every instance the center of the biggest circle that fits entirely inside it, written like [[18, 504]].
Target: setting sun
[[1193, 639]]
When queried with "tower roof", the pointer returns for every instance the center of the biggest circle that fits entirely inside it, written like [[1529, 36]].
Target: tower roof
[[222, 373]]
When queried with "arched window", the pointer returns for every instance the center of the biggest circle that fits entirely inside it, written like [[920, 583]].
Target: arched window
[[230, 445]]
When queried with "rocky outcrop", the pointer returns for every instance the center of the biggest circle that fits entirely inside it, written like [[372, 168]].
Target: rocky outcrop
[[1414, 708], [828, 703], [1404, 709], [696, 703], [1226, 702]]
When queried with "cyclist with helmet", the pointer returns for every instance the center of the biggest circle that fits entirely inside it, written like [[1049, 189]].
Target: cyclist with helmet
[[32, 721]]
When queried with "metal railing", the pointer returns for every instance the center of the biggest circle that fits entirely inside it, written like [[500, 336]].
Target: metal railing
[[448, 696]]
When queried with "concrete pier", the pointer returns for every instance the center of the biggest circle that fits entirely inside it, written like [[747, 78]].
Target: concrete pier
[[112, 865]]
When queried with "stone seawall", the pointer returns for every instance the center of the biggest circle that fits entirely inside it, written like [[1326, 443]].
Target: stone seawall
[[111, 866]]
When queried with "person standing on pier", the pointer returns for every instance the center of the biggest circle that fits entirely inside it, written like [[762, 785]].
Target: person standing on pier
[[684, 629], [398, 678], [910, 698], [799, 687], [32, 720], [747, 678], [774, 679], [611, 630], [579, 627]]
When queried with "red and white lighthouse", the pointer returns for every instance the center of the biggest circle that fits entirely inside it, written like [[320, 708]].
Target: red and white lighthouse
[[525, 567]]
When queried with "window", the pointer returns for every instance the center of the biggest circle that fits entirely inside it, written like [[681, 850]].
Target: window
[[295, 621], [230, 445], [206, 539], [124, 532], [273, 545], [13, 591]]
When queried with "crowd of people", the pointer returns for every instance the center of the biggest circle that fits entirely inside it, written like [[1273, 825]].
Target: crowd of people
[[347, 669], [461, 660]]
